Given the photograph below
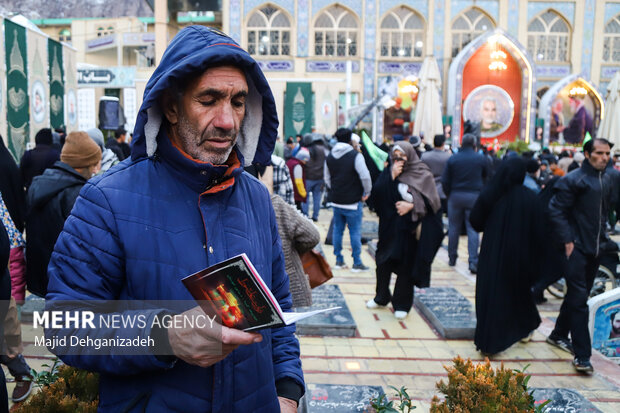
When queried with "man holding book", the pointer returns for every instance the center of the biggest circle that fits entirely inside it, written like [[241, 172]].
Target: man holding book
[[180, 204]]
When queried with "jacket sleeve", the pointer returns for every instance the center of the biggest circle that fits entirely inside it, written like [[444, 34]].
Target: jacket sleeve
[[306, 234], [87, 265], [364, 173], [446, 179], [559, 209], [285, 346]]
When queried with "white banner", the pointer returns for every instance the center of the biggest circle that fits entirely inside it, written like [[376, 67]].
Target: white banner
[[86, 111], [71, 104], [130, 107], [38, 82]]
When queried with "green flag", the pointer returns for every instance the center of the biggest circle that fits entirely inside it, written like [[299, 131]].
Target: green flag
[[16, 87], [377, 155], [588, 137], [57, 84], [298, 109]]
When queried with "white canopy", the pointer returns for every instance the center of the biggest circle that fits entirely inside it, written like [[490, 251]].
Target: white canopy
[[610, 125], [428, 117]]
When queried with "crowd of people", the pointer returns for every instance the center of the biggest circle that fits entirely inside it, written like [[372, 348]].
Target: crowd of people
[[76, 210]]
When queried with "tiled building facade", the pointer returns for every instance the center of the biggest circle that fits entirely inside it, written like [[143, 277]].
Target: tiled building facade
[[311, 40]]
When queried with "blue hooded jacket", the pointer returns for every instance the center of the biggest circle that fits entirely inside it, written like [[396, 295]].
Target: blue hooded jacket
[[151, 220]]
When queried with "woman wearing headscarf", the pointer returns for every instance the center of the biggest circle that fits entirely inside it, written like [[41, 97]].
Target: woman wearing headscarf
[[511, 218], [402, 196]]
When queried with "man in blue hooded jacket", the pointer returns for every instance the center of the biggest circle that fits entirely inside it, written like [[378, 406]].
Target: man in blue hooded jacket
[[180, 204]]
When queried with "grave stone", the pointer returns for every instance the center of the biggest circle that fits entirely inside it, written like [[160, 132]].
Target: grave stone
[[370, 230], [372, 249], [448, 311], [332, 323], [563, 401], [335, 398], [33, 303], [604, 323]]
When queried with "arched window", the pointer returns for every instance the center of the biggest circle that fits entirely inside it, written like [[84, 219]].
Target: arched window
[[336, 33], [611, 41], [269, 32], [402, 34], [467, 27], [64, 35], [548, 38]]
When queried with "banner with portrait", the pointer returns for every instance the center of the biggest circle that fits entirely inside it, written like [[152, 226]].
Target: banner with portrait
[[57, 83], [491, 107], [71, 113], [38, 82], [16, 87], [298, 108], [605, 324], [575, 111]]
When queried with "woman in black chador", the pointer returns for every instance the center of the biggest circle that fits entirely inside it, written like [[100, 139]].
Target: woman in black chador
[[511, 218], [402, 196]]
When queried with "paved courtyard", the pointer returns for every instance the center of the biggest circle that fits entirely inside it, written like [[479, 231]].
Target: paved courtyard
[[410, 352]]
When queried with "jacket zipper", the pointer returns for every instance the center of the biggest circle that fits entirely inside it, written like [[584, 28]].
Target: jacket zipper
[[600, 213]]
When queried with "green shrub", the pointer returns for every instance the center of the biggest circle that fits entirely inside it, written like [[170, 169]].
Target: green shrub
[[63, 390], [481, 389]]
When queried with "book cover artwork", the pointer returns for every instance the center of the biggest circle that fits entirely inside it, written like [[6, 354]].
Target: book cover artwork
[[234, 289]]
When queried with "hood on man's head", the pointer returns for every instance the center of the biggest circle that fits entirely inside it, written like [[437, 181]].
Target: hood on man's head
[[192, 51], [44, 137], [96, 135]]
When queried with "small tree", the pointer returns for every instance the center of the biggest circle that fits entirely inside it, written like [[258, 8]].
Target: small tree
[[63, 390], [481, 389]]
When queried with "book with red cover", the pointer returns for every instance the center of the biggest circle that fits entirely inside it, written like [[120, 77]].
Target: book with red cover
[[240, 297]]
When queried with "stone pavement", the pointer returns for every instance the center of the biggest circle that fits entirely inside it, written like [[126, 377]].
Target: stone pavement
[[409, 352]]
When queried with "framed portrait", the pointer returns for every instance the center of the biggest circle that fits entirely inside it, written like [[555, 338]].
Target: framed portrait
[[492, 107], [38, 101]]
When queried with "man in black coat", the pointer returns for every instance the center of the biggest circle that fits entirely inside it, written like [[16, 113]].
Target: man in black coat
[[37, 160], [117, 144], [462, 181], [50, 200], [578, 211]]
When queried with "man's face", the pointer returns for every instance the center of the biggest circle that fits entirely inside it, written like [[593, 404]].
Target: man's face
[[574, 104], [615, 323], [489, 112], [207, 119], [599, 158]]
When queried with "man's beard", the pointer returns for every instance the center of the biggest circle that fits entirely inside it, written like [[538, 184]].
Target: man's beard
[[193, 141]]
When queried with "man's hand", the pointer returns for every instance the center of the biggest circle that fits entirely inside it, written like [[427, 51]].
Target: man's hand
[[403, 207], [206, 346], [569, 247], [364, 198], [287, 405]]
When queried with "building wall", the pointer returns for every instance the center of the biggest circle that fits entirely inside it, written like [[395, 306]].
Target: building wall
[[586, 20]]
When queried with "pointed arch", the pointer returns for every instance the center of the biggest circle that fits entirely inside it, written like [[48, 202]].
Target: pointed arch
[[336, 32], [402, 34], [549, 37], [468, 25], [611, 40], [268, 31]]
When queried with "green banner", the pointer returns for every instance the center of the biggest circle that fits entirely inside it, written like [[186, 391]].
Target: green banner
[[57, 84], [17, 87], [298, 109]]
